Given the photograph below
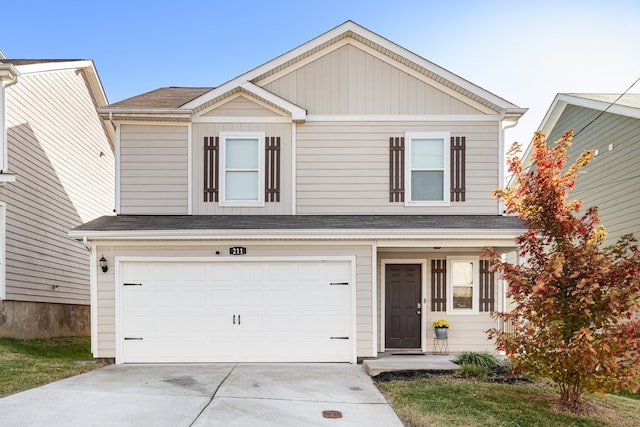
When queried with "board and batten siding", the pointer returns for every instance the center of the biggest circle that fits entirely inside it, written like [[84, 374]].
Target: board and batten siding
[[343, 167], [154, 169], [467, 332], [107, 281], [611, 181], [353, 81], [63, 164], [202, 130]]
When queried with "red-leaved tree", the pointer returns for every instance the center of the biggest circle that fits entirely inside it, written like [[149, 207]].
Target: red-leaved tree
[[575, 303]]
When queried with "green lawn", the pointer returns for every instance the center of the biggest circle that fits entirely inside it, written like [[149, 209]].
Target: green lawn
[[446, 400], [25, 364]]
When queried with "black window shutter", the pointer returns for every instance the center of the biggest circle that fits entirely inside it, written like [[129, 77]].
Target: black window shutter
[[438, 285], [458, 153], [272, 169], [396, 169], [487, 286], [211, 162]]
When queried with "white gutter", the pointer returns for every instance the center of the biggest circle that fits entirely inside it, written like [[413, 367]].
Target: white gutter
[[314, 234]]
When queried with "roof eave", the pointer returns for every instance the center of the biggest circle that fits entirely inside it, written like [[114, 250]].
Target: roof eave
[[8, 73], [171, 114], [307, 234]]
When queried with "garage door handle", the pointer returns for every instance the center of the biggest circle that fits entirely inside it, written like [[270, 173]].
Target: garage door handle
[[132, 339], [339, 283], [339, 338], [234, 319], [238, 319]]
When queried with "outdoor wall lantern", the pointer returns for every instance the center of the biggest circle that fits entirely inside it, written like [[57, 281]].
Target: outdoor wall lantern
[[103, 264]]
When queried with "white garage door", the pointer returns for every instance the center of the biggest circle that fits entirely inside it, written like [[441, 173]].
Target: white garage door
[[235, 311]]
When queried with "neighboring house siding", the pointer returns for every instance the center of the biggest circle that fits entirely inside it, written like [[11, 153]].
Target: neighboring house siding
[[62, 180], [153, 169], [343, 167], [611, 181], [282, 130], [362, 251], [351, 80]]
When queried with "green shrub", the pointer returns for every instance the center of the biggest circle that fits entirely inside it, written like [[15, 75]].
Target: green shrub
[[469, 370], [485, 360]]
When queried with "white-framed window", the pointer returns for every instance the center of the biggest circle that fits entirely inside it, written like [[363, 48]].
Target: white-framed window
[[242, 168], [463, 283], [427, 171]]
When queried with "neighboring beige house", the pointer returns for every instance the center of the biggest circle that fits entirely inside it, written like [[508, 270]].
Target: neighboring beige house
[[56, 172], [326, 206], [610, 125]]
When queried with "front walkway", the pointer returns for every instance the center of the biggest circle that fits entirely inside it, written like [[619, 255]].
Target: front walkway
[[410, 362]]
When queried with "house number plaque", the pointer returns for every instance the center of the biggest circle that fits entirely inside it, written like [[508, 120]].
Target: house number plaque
[[237, 250]]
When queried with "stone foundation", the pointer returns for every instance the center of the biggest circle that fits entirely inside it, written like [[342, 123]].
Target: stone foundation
[[28, 320]]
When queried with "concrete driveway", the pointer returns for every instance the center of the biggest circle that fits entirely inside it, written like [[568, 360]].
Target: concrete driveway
[[205, 395]]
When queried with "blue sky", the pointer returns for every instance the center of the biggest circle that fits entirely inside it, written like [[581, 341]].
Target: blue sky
[[525, 51]]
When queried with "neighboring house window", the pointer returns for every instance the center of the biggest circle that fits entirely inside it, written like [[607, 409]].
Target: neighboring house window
[[242, 169], [427, 171], [463, 284]]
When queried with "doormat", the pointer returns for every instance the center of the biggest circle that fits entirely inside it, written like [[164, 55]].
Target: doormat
[[407, 354]]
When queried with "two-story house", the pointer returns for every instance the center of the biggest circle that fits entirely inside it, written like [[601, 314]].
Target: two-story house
[[609, 124], [323, 207], [56, 172]]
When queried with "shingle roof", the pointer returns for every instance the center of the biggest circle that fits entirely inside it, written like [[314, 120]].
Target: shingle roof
[[165, 97], [299, 222]]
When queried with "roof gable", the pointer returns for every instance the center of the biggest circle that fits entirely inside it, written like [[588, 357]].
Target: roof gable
[[350, 78], [350, 30], [625, 105], [239, 105]]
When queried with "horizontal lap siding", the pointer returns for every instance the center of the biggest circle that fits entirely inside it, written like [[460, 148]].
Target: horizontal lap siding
[[467, 332], [343, 167], [55, 145], [282, 130], [106, 281], [611, 181], [153, 169]]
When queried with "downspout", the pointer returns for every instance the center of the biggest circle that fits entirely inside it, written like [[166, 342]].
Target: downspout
[[116, 155], [4, 139], [501, 165]]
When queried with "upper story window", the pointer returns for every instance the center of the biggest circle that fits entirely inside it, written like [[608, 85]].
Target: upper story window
[[242, 168], [463, 283], [427, 173]]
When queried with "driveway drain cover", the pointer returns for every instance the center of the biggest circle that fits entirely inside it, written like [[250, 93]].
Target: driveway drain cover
[[332, 414]]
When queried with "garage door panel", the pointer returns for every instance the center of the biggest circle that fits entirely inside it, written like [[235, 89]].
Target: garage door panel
[[284, 311]]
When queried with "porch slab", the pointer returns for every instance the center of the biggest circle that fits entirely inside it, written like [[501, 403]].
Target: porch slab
[[394, 363]]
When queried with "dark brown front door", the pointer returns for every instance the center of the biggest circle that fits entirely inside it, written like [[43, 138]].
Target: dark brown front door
[[402, 299]]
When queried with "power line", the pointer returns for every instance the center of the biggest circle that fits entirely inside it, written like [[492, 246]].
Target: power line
[[605, 110]]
